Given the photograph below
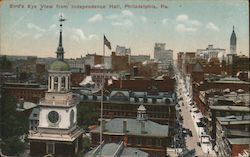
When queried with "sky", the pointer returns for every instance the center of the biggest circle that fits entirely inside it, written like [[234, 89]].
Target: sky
[[183, 25]]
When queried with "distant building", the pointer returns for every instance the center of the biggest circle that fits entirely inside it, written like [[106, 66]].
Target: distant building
[[139, 58], [30, 92], [117, 150], [93, 59], [98, 73], [140, 133], [76, 63], [122, 51], [210, 52], [233, 43], [180, 57], [163, 55], [120, 63]]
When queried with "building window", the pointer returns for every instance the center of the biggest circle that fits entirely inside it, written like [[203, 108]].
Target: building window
[[158, 142], [139, 141], [149, 142], [50, 148]]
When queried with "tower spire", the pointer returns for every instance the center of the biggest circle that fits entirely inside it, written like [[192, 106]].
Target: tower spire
[[233, 40], [60, 50]]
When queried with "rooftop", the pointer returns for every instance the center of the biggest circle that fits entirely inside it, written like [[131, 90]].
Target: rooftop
[[234, 119], [116, 150], [231, 80], [134, 127], [239, 140], [231, 108]]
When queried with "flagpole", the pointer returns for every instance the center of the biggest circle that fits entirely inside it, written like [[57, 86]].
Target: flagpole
[[101, 128]]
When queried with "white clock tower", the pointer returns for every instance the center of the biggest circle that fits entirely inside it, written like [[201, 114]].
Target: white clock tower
[[57, 133]]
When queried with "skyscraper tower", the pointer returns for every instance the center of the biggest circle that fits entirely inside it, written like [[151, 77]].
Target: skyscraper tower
[[233, 40]]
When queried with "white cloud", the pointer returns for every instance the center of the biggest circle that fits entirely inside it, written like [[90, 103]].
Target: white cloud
[[184, 28], [38, 36], [182, 17], [196, 23], [212, 26], [35, 27], [92, 36], [164, 21], [113, 16], [125, 23], [20, 35], [186, 24], [127, 13], [144, 19], [96, 18], [78, 35], [52, 27]]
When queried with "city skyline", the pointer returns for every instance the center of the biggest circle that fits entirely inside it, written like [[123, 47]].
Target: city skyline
[[183, 26]]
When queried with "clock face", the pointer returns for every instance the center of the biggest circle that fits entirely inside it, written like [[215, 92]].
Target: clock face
[[53, 116], [72, 115]]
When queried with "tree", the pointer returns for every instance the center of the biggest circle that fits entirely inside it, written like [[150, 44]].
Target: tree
[[12, 146], [86, 115], [13, 126]]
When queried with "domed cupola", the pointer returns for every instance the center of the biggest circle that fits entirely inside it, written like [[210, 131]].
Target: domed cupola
[[59, 70]]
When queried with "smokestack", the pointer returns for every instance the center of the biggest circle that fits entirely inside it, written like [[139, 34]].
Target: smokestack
[[124, 126]]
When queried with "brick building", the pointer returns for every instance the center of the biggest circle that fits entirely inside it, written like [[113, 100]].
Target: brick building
[[223, 111], [124, 104], [119, 63], [26, 92], [201, 92], [232, 135], [139, 132], [165, 84]]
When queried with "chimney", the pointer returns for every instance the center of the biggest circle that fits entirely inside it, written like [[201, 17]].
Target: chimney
[[143, 131], [87, 69], [135, 71], [21, 102], [124, 126]]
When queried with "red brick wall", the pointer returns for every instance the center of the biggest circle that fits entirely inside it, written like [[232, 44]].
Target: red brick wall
[[28, 94], [77, 78], [238, 148]]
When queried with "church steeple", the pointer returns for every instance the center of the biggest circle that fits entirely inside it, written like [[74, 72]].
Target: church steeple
[[233, 40], [60, 50]]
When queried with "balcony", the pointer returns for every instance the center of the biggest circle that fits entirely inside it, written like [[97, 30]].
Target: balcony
[[64, 103]]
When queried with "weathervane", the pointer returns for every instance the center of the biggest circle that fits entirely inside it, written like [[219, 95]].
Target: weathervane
[[61, 20]]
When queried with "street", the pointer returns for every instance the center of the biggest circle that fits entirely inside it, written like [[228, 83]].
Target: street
[[192, 142]]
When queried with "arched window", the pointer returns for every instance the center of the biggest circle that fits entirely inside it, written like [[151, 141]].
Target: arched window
[[63, 83], [50, 82], [55, 82]]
